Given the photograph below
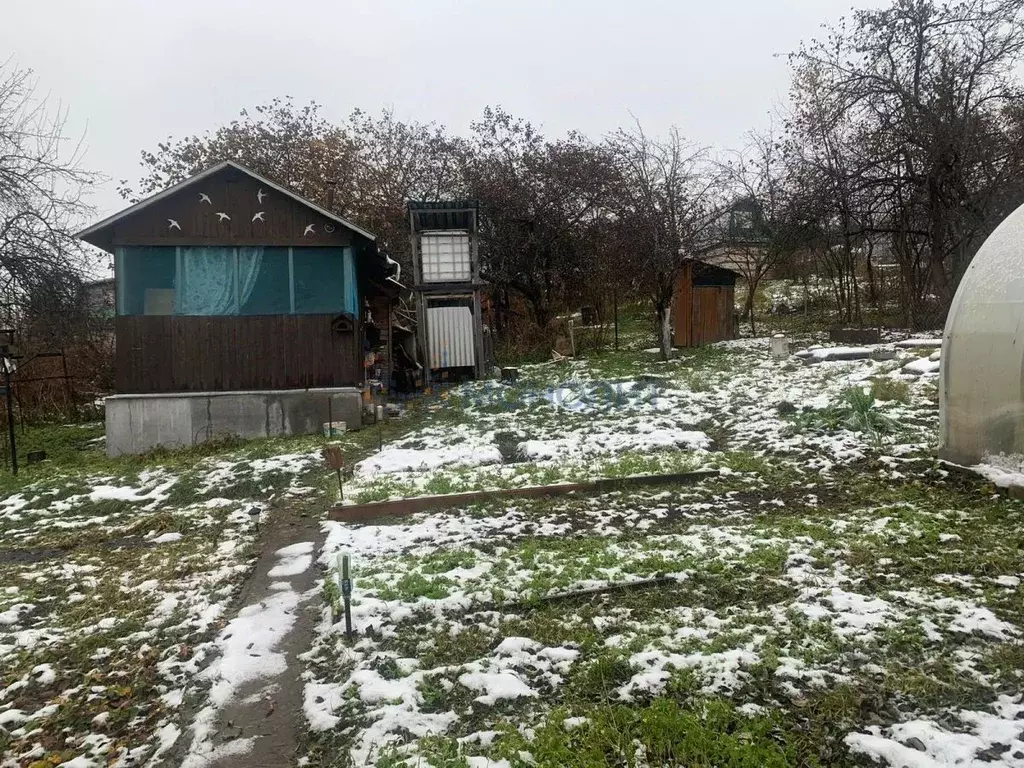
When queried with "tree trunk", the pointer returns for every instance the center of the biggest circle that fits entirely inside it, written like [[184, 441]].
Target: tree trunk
[[872, 289], [541, 309], [855, 287], [664, 319], [748, 305]]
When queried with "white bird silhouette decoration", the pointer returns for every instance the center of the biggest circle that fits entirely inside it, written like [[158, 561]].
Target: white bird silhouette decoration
[[172, 224], [309, 230], [260, 195], [223, 216], [258, 216], [205, 198]]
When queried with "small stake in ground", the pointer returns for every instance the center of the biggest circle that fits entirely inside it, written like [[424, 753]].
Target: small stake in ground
[[346, 594], [335, 460], [379, 417]]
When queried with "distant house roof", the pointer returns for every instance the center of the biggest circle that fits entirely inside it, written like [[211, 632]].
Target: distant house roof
[[707, 271], [91, 233]]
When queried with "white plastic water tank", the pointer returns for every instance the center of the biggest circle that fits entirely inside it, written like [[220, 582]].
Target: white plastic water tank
[[445, 257], [780, 345]]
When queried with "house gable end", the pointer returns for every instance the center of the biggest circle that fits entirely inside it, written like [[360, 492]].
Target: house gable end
[[227, 205]]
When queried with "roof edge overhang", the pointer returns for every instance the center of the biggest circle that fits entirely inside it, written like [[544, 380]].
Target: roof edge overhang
[[131, 210], [711, 265]]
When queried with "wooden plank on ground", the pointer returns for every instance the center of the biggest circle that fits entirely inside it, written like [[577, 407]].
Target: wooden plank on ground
[[360, 513]]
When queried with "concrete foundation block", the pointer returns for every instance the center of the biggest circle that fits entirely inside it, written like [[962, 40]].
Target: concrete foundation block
[[233, 414], [140, 423]]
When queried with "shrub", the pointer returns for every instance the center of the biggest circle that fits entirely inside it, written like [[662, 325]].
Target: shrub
[[863, 416], [855, 411]]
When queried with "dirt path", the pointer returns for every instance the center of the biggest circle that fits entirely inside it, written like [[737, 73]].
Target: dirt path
[[256, 714]]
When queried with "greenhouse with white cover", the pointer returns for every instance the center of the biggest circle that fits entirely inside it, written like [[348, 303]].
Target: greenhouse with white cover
[[981, 381]]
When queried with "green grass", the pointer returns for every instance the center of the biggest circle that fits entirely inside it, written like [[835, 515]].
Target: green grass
[[737, 591], [97, 563], [664, 732], [888, 389], [415, 585], [444, 561], [665, 462]]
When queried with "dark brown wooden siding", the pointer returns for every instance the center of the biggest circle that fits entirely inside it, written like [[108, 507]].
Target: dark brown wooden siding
[[703, 313], [712, 314], [168, 353], [282, 221], [684, 308]]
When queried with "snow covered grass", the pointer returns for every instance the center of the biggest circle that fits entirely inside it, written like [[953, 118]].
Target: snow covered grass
[[814, 614], [830, 598], [115, 573], [623, 412], [833, 597], [115, 577]]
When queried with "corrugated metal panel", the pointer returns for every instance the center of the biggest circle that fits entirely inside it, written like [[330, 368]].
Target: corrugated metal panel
[[442, 215], [450, 336]]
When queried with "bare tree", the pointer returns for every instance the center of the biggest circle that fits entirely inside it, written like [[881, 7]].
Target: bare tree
[[540, 200], [667, 197], [831, 164], [759, 177], [923, 89], [395, 162], [41, 188]]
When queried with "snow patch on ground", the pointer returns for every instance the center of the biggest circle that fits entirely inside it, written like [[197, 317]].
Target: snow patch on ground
[[1004, 471], [246, 652], [922, 367], [393, 460], [989, 739], [166, 538], [294, 559], [495, 687]]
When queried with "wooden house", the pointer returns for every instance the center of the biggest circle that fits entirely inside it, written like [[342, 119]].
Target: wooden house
[[704, 304], [230, 283]]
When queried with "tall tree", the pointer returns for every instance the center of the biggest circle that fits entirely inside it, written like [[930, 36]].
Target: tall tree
[[397, 161], [538, 198], [294, 146], [759, 175], [924, 89], [41, 202], [667, 198]]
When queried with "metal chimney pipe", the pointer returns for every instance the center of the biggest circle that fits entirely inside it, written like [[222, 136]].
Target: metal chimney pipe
[[331, 184]]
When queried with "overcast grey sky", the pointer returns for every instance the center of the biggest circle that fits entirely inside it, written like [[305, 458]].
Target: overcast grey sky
[[132, 72]]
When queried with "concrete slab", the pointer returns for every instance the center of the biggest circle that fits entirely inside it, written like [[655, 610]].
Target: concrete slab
[[140, 423]]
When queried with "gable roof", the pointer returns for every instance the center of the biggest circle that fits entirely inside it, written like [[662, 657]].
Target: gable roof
[[706, 269], [143, 204]]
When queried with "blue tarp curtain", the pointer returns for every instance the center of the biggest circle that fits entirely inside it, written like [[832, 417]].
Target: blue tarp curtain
[[230, 281]]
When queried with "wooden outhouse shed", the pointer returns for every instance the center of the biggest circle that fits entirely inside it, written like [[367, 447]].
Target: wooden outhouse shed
[[704, 304]]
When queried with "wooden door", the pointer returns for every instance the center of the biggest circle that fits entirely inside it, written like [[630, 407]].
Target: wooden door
[[712, 314]]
